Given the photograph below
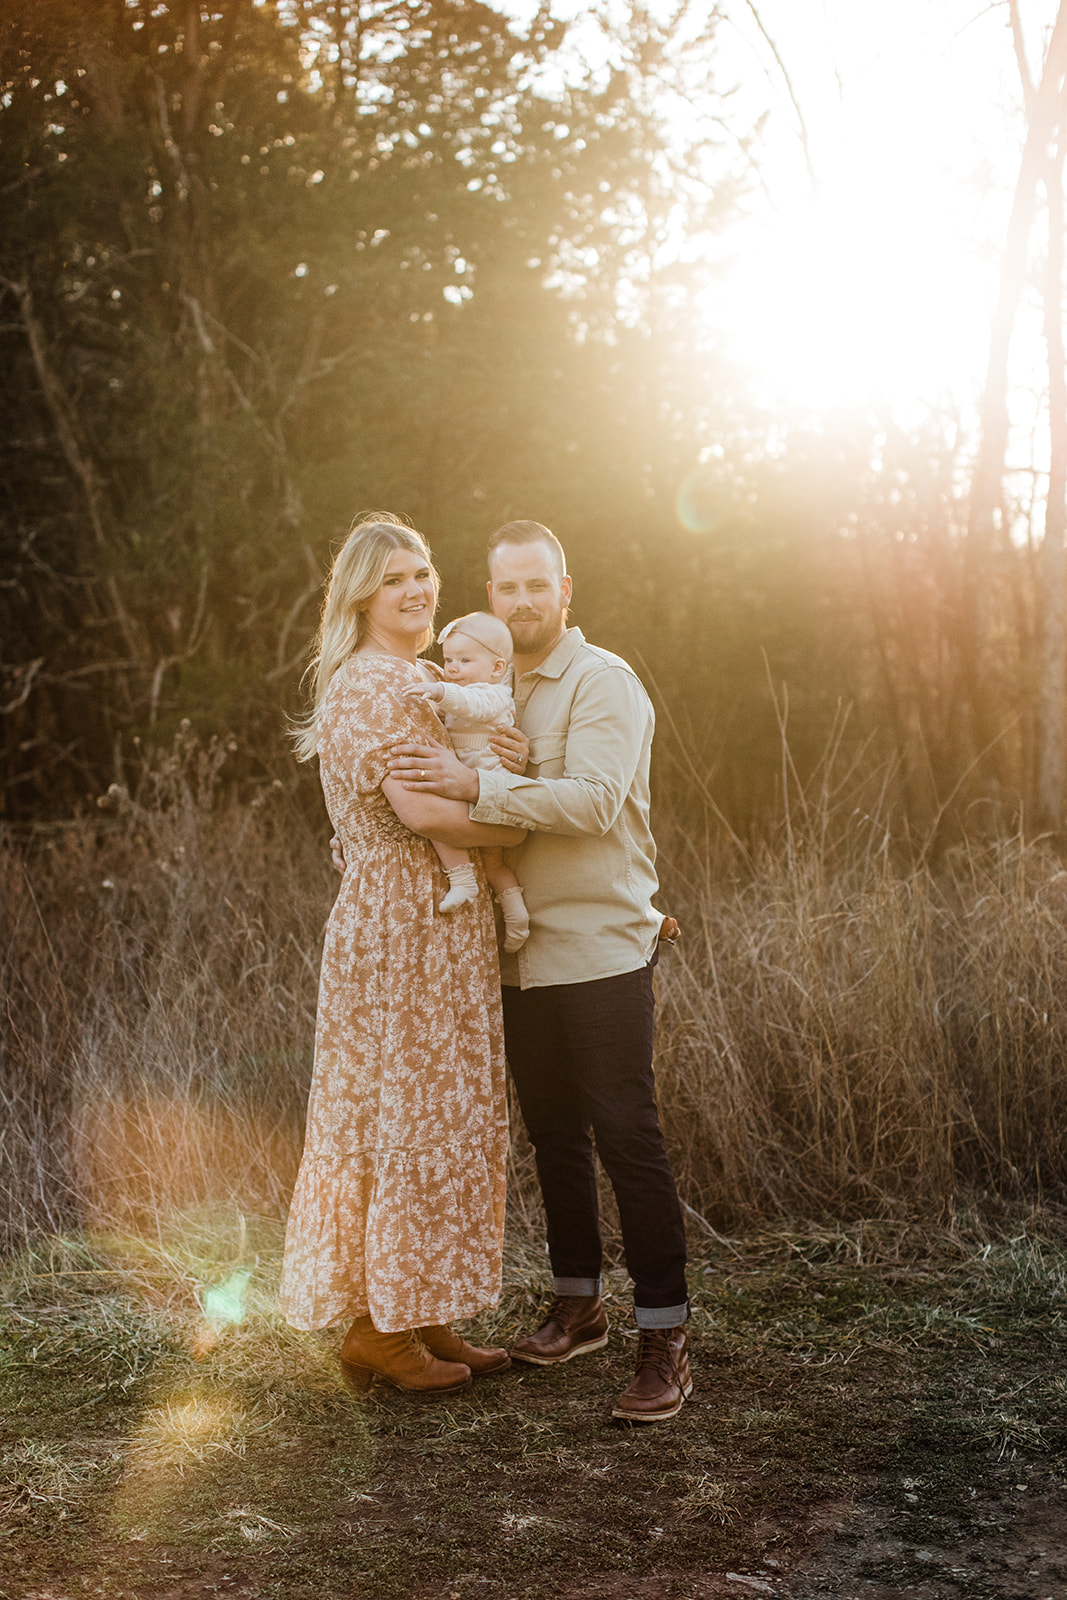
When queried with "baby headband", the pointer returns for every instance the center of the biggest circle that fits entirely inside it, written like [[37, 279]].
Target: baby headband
[[484, 629]]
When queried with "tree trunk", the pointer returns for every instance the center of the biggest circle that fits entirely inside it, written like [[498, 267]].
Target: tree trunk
[[1045, 113], [1050, 724]]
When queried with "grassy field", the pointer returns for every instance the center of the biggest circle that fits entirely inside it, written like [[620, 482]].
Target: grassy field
[[859, 1061], [878, 1411]]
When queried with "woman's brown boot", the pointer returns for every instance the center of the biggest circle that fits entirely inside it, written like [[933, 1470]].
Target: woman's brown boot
[[447, 1345], [401, 1359]]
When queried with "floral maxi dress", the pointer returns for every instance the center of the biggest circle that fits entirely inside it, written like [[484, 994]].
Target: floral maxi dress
[[399, 1202]]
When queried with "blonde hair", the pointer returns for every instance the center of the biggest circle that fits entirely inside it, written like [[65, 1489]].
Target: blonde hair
[[357, 573], [484, 629]]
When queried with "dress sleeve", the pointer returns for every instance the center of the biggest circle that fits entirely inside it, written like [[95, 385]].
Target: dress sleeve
[[365, 719]]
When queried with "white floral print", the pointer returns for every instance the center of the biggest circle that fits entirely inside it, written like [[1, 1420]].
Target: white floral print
[[399, 1202]]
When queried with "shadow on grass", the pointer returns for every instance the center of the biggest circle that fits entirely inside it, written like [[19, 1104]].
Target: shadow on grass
[[878, 1410]]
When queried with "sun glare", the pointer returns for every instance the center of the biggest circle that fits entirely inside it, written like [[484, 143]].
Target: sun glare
[[890, 133], [843, 303], [878, 282]]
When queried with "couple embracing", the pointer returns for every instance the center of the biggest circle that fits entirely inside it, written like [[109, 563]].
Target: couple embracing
[[396, 1223]]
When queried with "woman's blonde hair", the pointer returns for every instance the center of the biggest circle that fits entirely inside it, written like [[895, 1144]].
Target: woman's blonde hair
[[357, 573]]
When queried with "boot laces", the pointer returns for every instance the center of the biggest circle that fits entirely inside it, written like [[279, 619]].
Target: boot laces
[[565, 1309], [655, 1351]]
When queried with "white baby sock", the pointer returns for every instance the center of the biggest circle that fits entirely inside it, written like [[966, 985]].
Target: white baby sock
[[462, 887], [516, 919]]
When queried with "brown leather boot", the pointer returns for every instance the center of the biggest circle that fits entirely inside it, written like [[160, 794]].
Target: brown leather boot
[[400, 1358], [662, 1380], [443, 1342], [573, 1325]]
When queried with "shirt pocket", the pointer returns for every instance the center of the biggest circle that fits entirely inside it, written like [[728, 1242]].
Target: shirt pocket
[[547, 753]]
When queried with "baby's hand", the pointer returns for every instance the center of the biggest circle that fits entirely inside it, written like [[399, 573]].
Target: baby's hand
[[427, 691]]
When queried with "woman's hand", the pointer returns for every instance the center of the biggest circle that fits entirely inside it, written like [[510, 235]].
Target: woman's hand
[[433, 769], [513, 748], [337, 855]]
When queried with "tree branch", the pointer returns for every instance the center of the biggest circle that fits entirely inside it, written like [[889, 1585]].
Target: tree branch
[[802, 125], [68, 431]]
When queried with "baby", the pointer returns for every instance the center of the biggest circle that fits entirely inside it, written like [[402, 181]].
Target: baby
[[474, 702]]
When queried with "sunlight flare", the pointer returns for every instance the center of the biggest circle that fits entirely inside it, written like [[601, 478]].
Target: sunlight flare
[[226, 1303], [871, 275], [841, 303]]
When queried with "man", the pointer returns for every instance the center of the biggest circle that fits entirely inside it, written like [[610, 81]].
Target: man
[[578, 1001]]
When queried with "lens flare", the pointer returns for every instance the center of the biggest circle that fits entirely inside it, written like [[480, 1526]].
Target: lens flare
[[699, 503], [226, 1302]]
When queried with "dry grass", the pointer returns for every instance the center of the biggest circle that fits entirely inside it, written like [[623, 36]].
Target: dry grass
[[844, 1032], [847, 1031], [159, 981]]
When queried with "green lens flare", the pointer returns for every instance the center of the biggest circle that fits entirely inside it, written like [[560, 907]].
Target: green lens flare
[[699, 502], [226, 1302]]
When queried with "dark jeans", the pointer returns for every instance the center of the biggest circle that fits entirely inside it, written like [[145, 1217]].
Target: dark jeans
[[581, 1058]]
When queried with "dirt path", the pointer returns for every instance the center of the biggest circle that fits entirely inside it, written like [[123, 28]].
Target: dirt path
[[862, 1431]]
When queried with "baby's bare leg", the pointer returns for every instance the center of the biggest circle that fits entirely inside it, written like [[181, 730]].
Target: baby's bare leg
[[505, 886], [449, 856], [497, 870], [462, 884]]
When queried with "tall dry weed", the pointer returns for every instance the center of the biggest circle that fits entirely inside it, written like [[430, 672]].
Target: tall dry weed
[[160, 976], [846, 1031], [843, 1030]]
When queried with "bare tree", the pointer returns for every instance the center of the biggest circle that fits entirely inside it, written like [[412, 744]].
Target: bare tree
[[1045, 108], [1050, 721]]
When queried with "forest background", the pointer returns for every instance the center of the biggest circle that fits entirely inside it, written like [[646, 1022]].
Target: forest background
[[266, 264]]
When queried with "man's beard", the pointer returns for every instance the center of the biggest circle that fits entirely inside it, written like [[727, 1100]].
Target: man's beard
[[535, 634]]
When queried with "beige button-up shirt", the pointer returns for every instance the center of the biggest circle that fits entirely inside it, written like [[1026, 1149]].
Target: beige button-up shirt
[[587, 866]]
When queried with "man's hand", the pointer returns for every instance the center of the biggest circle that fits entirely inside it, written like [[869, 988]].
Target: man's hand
[[426, 691], [433, 769], [337, 855], [669, 932], [513, 748]]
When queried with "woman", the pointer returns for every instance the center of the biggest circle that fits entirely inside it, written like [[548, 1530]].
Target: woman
[[397, 1216]]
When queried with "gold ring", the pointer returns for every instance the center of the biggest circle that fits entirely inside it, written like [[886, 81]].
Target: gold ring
[[422, 774]]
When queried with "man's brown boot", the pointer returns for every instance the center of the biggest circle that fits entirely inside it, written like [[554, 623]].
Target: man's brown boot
[[401, 1359], [574, 1324], [443, 1342], [662, 1380]]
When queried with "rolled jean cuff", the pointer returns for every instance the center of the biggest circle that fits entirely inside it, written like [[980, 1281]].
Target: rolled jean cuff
[[661, 1316], [582, 1286]]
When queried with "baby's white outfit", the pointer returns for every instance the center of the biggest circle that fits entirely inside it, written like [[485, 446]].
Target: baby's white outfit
[[472, 712]]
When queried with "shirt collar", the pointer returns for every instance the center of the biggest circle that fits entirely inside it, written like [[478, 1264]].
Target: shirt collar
[[556, 663]]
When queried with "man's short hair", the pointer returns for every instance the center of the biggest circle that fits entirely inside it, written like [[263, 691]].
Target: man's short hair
[[529, 533]]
